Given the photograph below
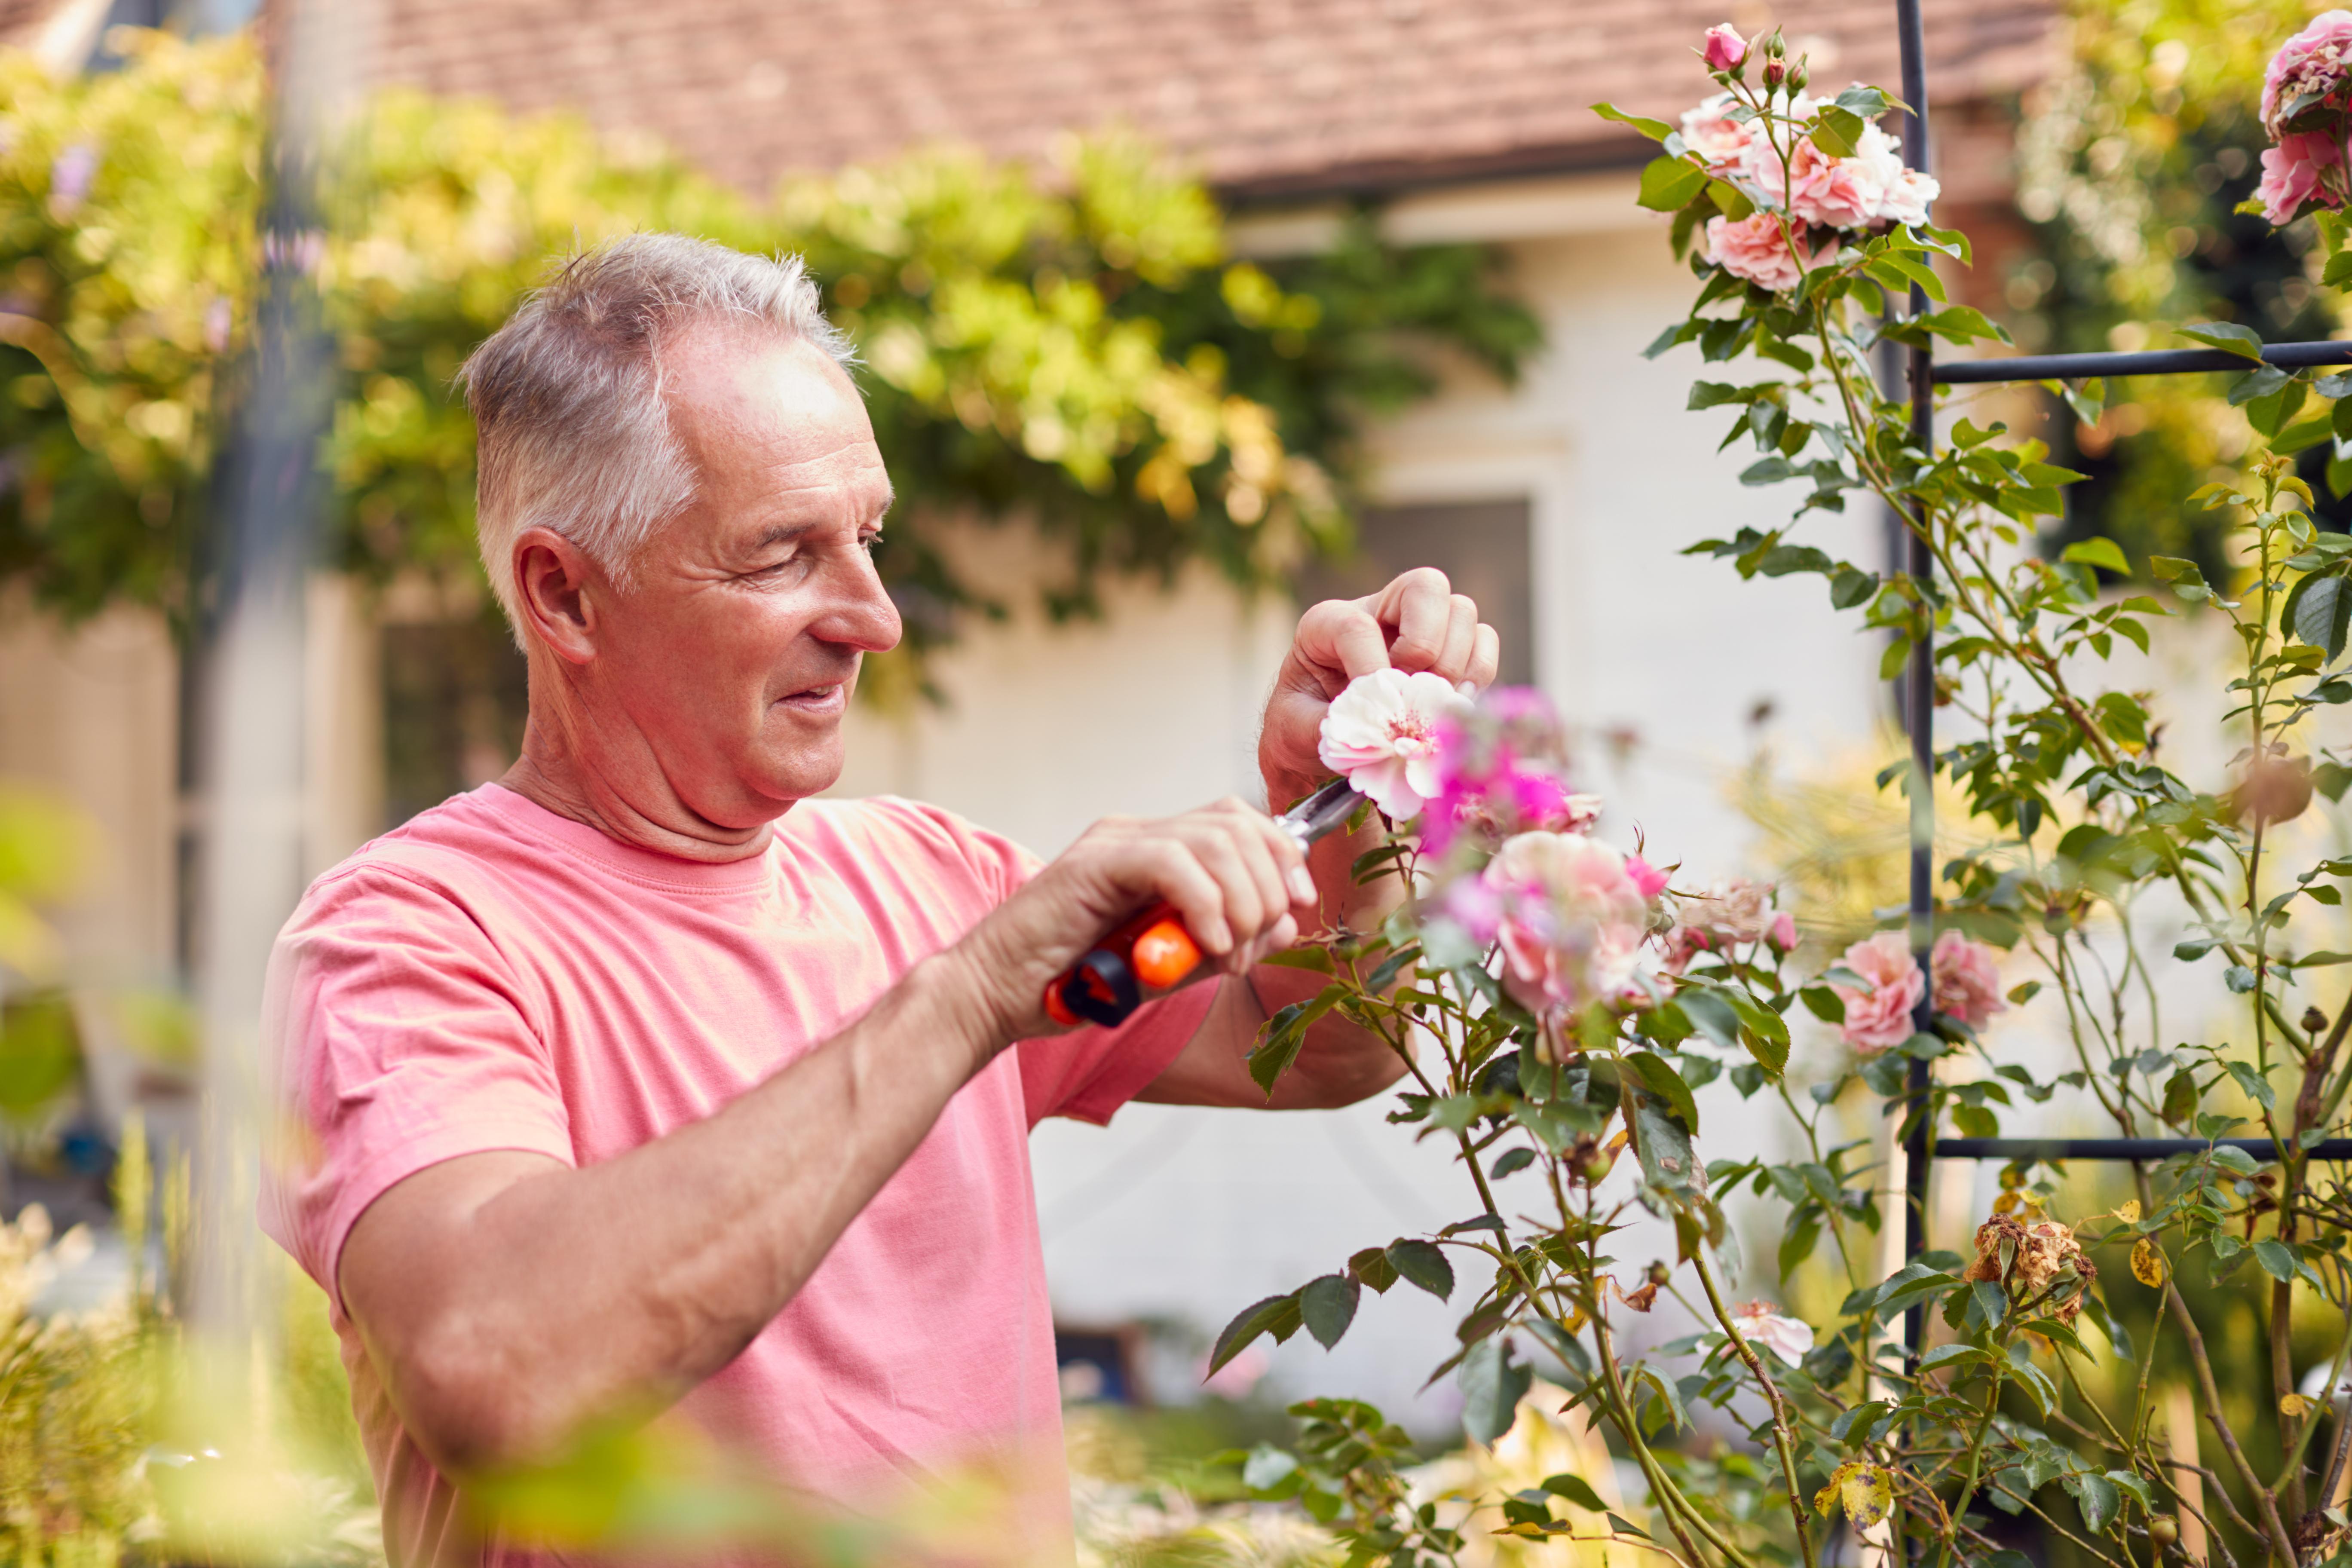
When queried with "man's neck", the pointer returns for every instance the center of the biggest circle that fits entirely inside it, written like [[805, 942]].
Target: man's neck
[[552, 778]]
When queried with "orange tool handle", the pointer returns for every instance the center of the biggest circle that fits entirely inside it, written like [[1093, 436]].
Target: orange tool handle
[[1152, 951]]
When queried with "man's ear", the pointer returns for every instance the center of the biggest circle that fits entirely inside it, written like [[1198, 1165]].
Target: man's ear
[[552, 577]]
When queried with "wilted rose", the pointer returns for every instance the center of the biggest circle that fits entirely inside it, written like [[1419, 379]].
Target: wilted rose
[[2274, 788]]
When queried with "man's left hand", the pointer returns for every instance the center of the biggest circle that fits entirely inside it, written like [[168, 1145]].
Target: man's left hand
[[1416, 623]]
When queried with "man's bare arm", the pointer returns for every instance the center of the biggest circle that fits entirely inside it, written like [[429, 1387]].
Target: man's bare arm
[[506, 1298]]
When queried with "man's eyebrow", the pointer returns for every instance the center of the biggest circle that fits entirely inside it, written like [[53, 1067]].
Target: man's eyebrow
[[781, 534]]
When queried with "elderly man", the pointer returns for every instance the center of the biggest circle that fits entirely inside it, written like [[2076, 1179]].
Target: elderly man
[[640, 1077]]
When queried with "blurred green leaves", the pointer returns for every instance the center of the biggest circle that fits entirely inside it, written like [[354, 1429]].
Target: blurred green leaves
[[1071, 349]]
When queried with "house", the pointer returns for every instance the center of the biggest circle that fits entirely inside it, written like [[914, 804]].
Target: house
[[1562, 503]]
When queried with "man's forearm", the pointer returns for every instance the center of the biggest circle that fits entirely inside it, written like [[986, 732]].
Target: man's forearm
[[572, 1293]]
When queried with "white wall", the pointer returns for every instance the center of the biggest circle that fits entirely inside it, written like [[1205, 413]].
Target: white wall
[[1192, 1214]]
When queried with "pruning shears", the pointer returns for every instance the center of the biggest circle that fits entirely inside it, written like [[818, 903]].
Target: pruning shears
[[1154, 951]]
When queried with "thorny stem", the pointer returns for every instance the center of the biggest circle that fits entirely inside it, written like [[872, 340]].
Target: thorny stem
[[2274, 1528], [1780, 1420]]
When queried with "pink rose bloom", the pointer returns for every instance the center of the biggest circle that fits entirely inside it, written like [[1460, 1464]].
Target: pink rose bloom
[[1907, 199], [1836, 193], [1762, 1323], [1880, 1018], [1738, 910], [1497, 771], [1647, 878], [1755, 248], [1967, 980], [2291, 176], [1722, 142], [1725, 47], [1784, 931], [1683, 944], [1572, 920], [2318, 60], [1381, 732]]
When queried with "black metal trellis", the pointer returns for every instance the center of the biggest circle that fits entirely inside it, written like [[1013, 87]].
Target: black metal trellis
[[1921, 1147]]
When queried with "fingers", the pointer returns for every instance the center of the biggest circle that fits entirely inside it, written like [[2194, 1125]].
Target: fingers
[[1238, 879], [1485, 657], [1341, 635], [1420, 606]]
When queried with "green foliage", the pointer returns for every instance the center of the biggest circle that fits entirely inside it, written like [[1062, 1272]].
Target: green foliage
[[2080, 842], [1070, 350], [2131, 161]]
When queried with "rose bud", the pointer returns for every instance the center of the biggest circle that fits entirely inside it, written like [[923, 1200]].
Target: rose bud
[[2163, 1530], [1774, 72], [2274, 789], [1660, 1273], [1797, 76], [1589, 1164], [1725, 50]]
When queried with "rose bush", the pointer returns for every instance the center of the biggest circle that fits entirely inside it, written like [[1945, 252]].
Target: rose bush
[[1560, 1003]]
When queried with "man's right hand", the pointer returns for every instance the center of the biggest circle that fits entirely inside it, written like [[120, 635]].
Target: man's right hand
[[1239, 880]]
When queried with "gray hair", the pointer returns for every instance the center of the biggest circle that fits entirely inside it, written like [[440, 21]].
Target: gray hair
[[572, 431]]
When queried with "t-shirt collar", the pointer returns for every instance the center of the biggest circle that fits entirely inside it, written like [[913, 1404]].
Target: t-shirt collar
[[632, 861]]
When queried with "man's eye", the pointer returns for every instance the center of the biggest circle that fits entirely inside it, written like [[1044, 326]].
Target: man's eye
[[871, 543]]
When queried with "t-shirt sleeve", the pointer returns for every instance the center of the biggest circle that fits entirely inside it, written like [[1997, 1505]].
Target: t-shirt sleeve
[[1086, 1074], [398, 1037]]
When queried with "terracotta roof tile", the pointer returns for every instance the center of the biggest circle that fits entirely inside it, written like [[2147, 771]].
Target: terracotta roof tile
[[1265, 97]]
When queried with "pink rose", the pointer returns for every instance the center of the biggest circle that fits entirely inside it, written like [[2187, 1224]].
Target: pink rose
[[1647, 878], [2291, 176], [1683, 944], [2316, 60], [1880, 1018], [1381, 731], [1725, 47], [1720, 140], [1497, 771], [1783, 934], [1967, 980], [1572, 920], [1755, 248]]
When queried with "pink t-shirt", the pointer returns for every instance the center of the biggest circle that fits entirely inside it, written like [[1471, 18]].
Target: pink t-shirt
[[492, 976]]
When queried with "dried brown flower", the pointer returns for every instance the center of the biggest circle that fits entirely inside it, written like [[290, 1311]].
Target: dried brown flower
[[2035, 1260]]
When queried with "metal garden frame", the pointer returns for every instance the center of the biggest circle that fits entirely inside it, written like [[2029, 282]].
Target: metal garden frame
[[1921, 1147]]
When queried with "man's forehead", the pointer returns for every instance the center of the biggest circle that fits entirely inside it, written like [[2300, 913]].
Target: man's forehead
[[770, 410]]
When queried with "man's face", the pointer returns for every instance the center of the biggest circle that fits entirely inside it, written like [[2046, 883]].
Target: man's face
[[735, 648]]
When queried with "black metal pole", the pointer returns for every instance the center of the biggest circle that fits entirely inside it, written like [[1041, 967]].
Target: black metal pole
[[1919, 697], [2162, 362], [2133, 1149]]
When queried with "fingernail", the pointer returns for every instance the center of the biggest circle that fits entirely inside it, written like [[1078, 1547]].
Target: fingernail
[[1302, 885]]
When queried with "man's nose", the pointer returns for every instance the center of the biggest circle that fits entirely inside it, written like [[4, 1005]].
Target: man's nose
[[862, 615]]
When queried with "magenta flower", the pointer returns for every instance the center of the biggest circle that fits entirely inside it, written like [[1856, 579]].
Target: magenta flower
[[1724, 49]]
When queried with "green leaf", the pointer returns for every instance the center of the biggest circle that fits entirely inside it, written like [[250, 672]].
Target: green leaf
[[1373, 1266], [2321, 609], [1421, 1263], [1730, 200], [1493, 1382], [1669, 183], [2227, 336], [1277, 1315], [1329, 1305], [2101, 552], [2099, 1500], [1510, 1162], [1318, 958], [1285, 1036], [2277, 1259], [1656, 129], [1577, 1491], [1667, 1085], [1837, 131]]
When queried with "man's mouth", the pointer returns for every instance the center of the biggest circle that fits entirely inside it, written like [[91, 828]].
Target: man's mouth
[[817, 699]]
